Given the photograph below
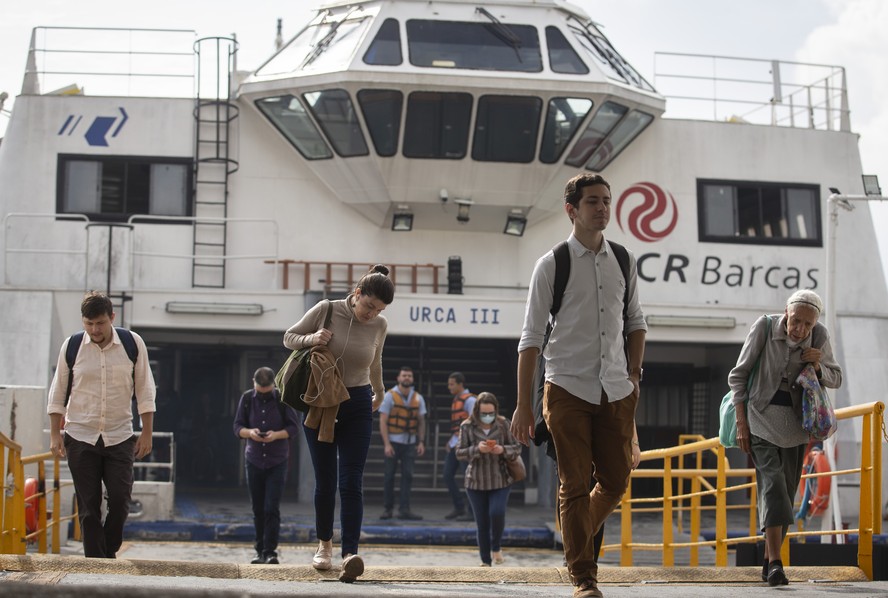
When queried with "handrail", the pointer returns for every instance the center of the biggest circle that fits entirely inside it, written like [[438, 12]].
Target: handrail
[[53, 216], [353, 271], [14, 532], [769, 88], [869, 518]]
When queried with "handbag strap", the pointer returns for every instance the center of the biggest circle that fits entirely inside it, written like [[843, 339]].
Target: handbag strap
[[329, 315]]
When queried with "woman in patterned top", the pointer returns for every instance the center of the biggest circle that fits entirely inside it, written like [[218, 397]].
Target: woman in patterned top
[[486, 441]]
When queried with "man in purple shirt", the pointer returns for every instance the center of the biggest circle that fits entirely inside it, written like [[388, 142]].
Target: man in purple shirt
[[266, 424]]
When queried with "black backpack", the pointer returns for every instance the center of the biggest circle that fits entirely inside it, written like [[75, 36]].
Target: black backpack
[[562, 274], [126, 339]]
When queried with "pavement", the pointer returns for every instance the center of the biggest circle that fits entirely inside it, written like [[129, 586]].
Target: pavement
[[206, 549]]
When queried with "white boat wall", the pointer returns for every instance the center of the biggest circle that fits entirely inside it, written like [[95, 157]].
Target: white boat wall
[[457, 115]]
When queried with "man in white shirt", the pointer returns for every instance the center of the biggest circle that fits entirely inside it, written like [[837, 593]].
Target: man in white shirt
[[592, 375], [96, 415]]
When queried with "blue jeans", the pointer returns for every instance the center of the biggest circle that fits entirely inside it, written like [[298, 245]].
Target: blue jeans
[[489, 507], [266, 488], [342, 461], [406, 454], [450, 467]]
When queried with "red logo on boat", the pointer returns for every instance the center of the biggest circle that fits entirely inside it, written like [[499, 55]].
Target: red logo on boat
[[646, 205]]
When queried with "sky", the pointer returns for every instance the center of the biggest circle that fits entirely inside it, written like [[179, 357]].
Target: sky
[[849, 33]]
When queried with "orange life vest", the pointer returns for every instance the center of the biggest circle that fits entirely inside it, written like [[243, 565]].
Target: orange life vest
[[458, 411], [404, 416]]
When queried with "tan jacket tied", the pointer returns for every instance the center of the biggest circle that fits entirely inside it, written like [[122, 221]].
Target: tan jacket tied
[[324, 393]]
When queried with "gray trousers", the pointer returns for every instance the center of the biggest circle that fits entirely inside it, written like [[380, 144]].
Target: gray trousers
[[777, 474]]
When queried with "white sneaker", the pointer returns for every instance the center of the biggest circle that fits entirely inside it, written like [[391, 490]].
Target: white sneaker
[[352, 568], [323, 558]]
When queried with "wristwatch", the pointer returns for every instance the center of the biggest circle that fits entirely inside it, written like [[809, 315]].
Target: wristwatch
[[640, 373]]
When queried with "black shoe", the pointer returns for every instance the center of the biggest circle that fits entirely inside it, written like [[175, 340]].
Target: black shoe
[[258, 560], [776, 576], [765, 570], [387, 514], [466, 517], [272, 559], [409, 515], [455, 513]]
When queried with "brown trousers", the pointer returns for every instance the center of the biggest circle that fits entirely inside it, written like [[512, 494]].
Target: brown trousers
[[588, 438]]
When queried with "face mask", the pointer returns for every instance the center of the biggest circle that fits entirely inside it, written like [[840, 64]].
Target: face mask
[[487, 418]]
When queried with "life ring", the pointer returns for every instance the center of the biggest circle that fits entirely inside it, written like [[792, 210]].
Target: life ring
[[815, 499], [30, 505]]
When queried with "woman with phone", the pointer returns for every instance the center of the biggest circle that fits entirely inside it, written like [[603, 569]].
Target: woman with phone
[[486, 442]]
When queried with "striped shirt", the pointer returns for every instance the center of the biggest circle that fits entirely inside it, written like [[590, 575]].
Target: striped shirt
[[486, 471]]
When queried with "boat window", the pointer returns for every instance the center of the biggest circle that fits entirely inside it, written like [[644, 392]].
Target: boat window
[[492, 46], [600, 49], [112, 188], [563, 119], [385, 49], [562, 57], [759, 213], [626, 130], [334, 111], [437, 125], [323, 46], [506, 128], [382, 113], [604, 121], [289, 116]]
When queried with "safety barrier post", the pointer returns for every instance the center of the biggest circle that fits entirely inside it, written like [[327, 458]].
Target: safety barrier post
[[56, 508], [721, 512], [878, 423], [41, 507], [695, 513], [668, 550], [626, 527], [865, 518]]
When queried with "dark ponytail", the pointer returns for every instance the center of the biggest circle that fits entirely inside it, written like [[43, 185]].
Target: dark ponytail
[[376, 283]]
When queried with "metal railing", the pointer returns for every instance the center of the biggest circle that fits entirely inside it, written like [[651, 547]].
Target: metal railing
[[110, 61], [342, 276], [751, 90], [17, 529], [41, 248], [701, 484]]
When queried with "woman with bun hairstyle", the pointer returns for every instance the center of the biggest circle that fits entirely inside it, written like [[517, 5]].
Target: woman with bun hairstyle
[[355, 339], [486, 442]]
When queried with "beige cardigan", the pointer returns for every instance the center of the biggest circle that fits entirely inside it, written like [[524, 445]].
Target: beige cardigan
[[324, 393]]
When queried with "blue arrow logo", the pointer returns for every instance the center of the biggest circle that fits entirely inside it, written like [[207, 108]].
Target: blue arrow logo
[[98, 130]]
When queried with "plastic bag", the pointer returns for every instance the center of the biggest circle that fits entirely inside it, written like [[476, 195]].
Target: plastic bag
[[818, 415]]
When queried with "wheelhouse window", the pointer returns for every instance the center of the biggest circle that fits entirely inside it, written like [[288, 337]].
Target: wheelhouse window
[[562, 57], [289, 116], [506, 129], [492, 46], [563, 118], [623, 134], [327, 45], [385, 49], [604, 121], [437, 125], [759, 213], [600, 49], [113, 188], [334, 111], [382, 113]]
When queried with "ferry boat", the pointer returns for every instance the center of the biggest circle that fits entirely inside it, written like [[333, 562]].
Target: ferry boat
[[216, 206]]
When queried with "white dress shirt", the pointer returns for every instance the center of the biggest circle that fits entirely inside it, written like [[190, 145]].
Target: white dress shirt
[[585, 353], [102, 390]]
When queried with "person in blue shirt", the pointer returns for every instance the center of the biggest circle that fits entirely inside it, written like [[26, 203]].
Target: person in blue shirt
[[267, 425]]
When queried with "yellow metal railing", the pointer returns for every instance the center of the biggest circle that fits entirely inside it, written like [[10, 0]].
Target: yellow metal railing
[[694, 447], [14, 534]]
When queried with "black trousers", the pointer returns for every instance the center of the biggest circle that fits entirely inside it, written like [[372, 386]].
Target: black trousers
[[90, 466]]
